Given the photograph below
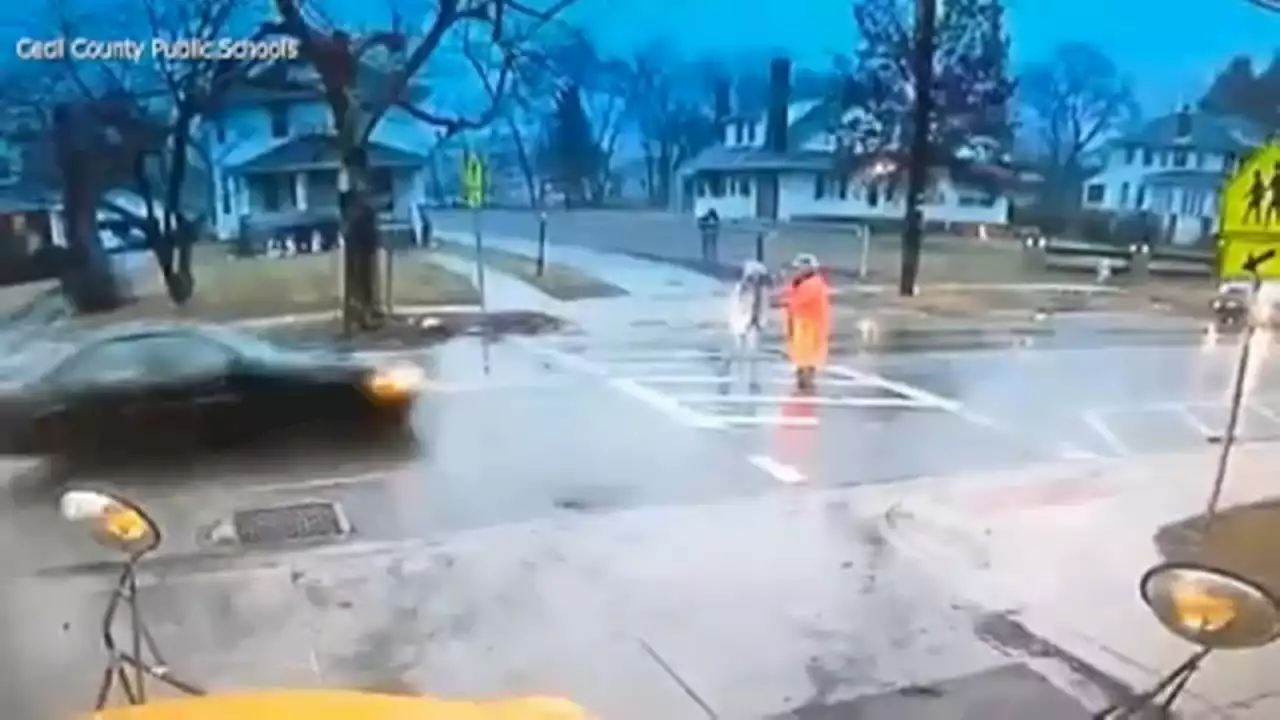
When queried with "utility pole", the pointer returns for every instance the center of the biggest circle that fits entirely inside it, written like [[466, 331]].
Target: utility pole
[[921, 152]]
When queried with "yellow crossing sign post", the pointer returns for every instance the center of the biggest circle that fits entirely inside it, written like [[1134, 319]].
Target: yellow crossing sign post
[[1249, 208], [473, 181], [473, 186]]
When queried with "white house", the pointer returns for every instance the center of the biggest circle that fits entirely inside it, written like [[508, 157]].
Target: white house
[[272, 150], [743, 177], [1173, 167]]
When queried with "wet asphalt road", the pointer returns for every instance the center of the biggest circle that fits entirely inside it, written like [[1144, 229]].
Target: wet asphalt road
[[659, 416]]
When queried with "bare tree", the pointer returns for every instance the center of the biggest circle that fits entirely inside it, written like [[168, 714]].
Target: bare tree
[[1078, 98], [491, 35], [673, 115], [135, 120]]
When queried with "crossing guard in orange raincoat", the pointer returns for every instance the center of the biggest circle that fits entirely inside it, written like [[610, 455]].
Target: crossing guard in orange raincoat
[[806, 304]]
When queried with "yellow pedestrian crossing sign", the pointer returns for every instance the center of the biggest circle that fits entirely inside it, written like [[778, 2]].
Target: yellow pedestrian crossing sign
[[1250, 215], [473, 180]]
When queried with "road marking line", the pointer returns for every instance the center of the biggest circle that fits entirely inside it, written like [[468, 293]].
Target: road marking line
[[709, 379], [660, 401], [1187, 413], [763, 420], [781, 472], [1094, 421], [851, 402], [910, 391]]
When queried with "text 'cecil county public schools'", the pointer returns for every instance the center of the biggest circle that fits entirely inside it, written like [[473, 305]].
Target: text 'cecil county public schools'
[[196, 49]]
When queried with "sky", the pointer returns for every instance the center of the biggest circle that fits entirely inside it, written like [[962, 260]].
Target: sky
[[1170, 48]]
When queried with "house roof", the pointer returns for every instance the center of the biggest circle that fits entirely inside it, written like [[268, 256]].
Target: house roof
[[719, 157], [320, 152], [297, 79], [1208, 132], [1205, 179]]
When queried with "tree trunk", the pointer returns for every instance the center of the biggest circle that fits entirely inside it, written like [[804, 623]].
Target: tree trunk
[[88, 281], [360, 309]]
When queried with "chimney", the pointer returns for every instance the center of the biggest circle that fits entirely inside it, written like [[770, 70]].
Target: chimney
[[779, 99], [723, 89], [1182, 129]]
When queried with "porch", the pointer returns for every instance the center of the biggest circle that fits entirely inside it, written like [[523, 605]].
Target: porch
[[295, 187]]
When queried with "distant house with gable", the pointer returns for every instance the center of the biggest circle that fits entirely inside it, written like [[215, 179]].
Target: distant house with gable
[[272, 152], [803, 171], [1173, 167]]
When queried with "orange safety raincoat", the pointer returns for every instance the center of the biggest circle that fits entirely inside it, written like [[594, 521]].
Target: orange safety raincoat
[[807, 309]]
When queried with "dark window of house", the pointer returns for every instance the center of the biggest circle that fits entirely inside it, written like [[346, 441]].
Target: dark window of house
[[1130, 154], [382, 189], [842, 187], [744, 187], [226, 196], [715, 183], [1179, 158], [271, 193], [751, 132], [819, 186], [279, 120], [738, 131], [1148, 157], [1140, 202], [1095, 193], [873, 194], [1197, 159]]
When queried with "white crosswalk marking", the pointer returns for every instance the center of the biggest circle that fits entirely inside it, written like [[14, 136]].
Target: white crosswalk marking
[[694, 378], [1174, 426]]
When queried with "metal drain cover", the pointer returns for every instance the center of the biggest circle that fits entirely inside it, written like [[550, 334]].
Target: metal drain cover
[[284, 523]]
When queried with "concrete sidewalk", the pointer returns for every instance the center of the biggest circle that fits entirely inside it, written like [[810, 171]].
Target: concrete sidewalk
[[640, 278], [1063, 548]]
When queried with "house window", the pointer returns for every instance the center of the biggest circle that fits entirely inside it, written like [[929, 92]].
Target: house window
[[744, 187], [1124, 195], [873, 194], [279, 120], [271, 193], [842, 187], [1198, 159], [715, 184], [738, 130], [1179, 158], [1130, 154], [751, 133], [382, 189], [226, 196], [1148, 157], [1140, 202], [819, 186], [1095, 193]]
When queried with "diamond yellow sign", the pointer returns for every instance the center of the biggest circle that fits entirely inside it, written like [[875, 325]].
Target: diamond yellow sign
[[1250, 207], [473, 181]]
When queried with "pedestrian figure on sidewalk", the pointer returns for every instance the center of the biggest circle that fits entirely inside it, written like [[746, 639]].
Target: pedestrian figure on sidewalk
[[806, 303], [1257, 193]]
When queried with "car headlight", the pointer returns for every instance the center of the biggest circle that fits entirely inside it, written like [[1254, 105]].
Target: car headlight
[[396, 383]]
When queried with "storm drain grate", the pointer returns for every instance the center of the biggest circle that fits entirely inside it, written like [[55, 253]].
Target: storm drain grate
[[284, 523]]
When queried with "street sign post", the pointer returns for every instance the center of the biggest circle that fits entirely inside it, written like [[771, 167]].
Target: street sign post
[[473, 186], [1250, 210]]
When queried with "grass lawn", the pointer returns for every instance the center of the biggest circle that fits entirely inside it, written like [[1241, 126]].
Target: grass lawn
[[559, 281], [229, 288]]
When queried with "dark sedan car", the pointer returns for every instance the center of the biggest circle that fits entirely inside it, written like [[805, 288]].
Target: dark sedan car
[[136, 393]]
